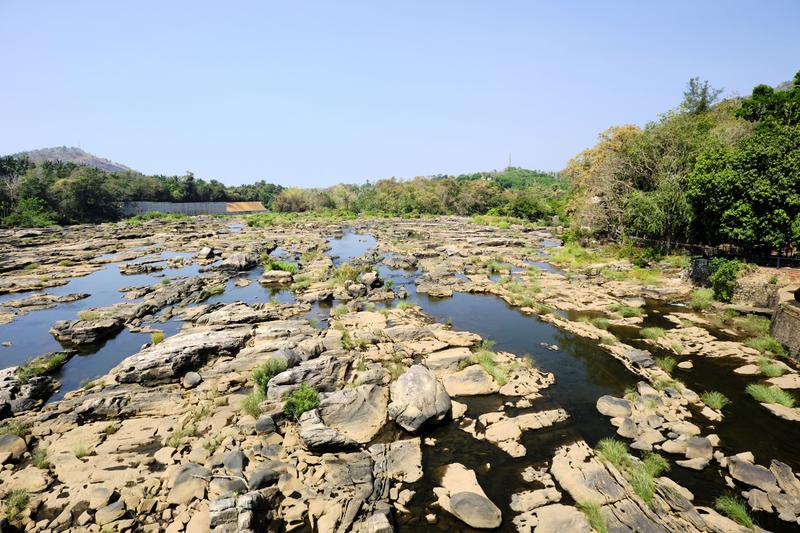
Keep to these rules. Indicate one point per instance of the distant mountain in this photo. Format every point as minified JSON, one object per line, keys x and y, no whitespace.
{"x":73,"y":155}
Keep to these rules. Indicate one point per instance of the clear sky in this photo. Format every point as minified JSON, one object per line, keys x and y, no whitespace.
{"x":316,"y":93}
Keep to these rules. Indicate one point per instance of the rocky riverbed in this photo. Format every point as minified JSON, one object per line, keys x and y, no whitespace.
{"x":344,"y":376}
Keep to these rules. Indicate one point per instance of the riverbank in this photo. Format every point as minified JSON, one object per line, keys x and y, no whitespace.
{"x":422,"y":423}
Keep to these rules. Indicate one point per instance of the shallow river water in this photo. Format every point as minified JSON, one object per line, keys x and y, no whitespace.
{"x":583,"y":372}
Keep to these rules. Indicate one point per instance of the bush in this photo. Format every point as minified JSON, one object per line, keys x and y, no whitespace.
{"x":735,"y":509}
{"x":39,"y":458}
{"x":30,"y":213}
{"x":266,"y":371}
{"x":157,"y":337}
{"x":765,"y":394}
{"x":715,"y":400}
{"x":302,"y":399}
{"x":723,"y":277}
{"x":15,"y":503}
{"x":702,"y":299}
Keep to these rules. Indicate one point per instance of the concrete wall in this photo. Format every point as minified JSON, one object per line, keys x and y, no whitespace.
{"x":187,"y":208}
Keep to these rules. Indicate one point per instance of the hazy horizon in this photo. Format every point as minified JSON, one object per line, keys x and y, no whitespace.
{"x":313,"y":94}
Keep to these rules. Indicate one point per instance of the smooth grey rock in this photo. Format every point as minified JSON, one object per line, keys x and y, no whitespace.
{"x":191,"y":380}
{"x":699,"y":447}
{"x":12,"y":445}
{"x":85,"y":331}
{"x":234,"y":461}
{"x":323,"y":374}
{"x":611,"y":406}
{"x":178,"y":354}
{"x":627,"y":429}
{"x":475,"y":510}
{"x":267,"y":473}
{"x":265,"y":424}
{"x":110,"y":512}
{"x":417,"y":397}
{"x":750,"y":474}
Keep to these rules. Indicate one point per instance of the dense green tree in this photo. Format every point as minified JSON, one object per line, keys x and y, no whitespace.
{"x":767,"y":104}
{"x":699,"y":96}
{"x":750,"y":194}
{"x":85,"y":196}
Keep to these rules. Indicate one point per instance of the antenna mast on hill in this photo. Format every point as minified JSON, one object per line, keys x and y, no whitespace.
{"x":509,"y":159}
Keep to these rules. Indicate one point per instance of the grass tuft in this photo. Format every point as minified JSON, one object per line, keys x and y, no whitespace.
{"x":157,"y":337}
{"x":702,"y":299}
{"x":652,"y":333}
{"x":735,"y":509}
{"x":15,"y":503}
{"x":767,"y":368}
{"x":266,"y":371}
{"x":765,"y":344}
{"x":765,"y":394}
{"x":626,"y":311}
{"x":592,"y":512}
{"x":715,"y":400}
{"x":613,"y":451}
{"x":667,"y":364}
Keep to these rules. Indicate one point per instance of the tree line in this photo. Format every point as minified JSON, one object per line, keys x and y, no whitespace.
{"x":708,"y":172}
{"x":41,"y":194}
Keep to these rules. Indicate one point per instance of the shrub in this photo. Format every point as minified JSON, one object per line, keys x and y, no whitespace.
{"x":651,"y":333}
{"x":715,"y":400}
{"x":723,"y":277}
{"x":15,"y":503}
{"x":404,"y":305}
{"x":157,"y":337}
{"x":667,"y":364}
{"x":593,"y":515}
{"x":735,"y":509}
{"x":300,"y":284}
{"x":345,"y":272}
{"x":30,"y":213}
{"x":702,"y":299}
{"x":16,"y":428}
{"x":266,"y":371}
{"x":614,"y":452}
{"x":600,"y":322}
{"x":765,"y":394}
{"x":768,"y":368}
{"x":655,"y":464}
{"x":302,"y":399}
{"x":339,"y":310}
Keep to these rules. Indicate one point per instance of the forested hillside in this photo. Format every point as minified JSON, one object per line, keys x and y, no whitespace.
{"x":707,"y":172}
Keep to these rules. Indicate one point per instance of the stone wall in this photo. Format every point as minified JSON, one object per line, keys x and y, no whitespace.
{"x":786,"y":326}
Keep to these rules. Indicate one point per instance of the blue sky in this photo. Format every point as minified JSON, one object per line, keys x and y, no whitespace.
{"x":316,"y":93}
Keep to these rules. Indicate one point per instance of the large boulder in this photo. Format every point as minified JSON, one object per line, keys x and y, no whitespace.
{"x":418,"y":397}
{"x":611,"y":406}
{"x":462,"y":496}
{"x":275,"y":277}
{"x":751,"y":474}
{"x":85,"y":331}
{"x":181,"y":353}
{"x":471,"y":381}
{"x":359,"y":413}
{"x":323,"y":374}
{"x":239,"y":261}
